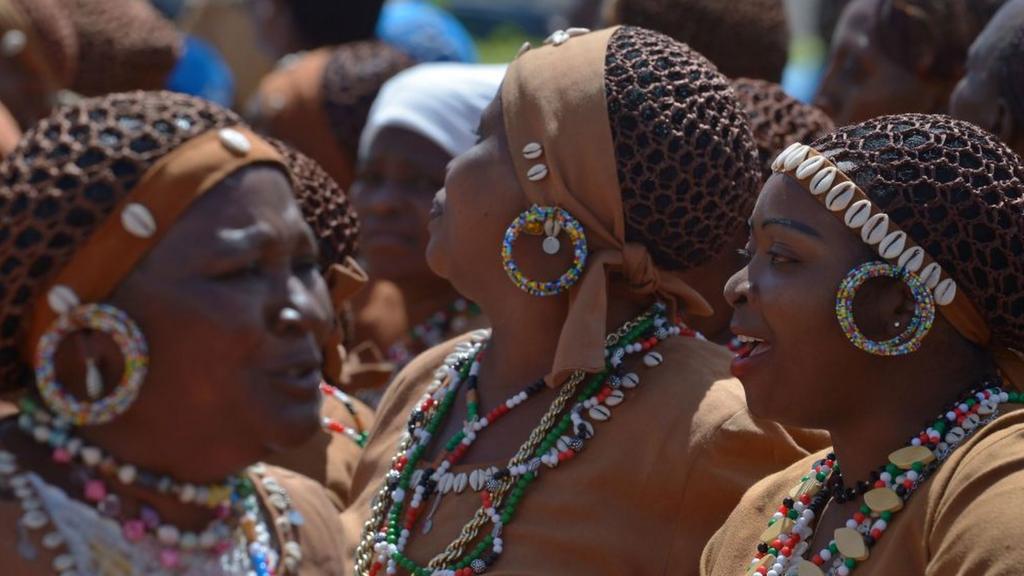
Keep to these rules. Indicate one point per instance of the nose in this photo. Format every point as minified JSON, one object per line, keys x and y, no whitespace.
{"x":737,"y":289}
{"x":302,"y":311}
{"x":377,"y":199}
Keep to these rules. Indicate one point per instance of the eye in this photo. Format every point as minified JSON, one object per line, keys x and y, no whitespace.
{"x":242,"y":272}
{"x":777,"y":259}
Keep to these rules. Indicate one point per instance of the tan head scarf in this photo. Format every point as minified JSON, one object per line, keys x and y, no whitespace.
{"x":554,"y":96}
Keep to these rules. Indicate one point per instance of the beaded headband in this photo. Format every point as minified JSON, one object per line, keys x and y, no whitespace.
{"x":840,"y":195}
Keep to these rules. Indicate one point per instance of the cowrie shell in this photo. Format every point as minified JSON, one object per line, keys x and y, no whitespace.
{"x":630,"y":381}
{"x":795,"y":157}
{"x":875,"y":229}
{"x":460,"y":483}
{"x":780,"y":160}
{"x":615,"y":398}
{"x":446,"y":483}
{"x":892,"y":245}
{"x":839,"y":197}
{"x":585,"y":430}
{"x":537,"y":172}
{"x":930,"y":275}
{"x":912,"y":259}
{"x":62,"y":299}
{"x":809,"y":166}
{"x":476,"y":480}
{"x":600,"y":413}
{"x":532,"y":151}
{"x":945,"y":292}
{"x":234,"y":141}
{"x":858,"y":214}
{"x":138,"y":220}
{"x":653,"y":359}
{"x":563,"y":443}
{"x":12,"y":43}
{"x":823,"y":180}
{"x":523,"y":49}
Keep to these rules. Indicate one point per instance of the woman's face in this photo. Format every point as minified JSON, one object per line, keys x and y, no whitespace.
{"x":786,"y":295}
{"x":861,"y":81}
{"x":393,"y":194}
{"x":480,"y":198}
{"x":235,"y":313}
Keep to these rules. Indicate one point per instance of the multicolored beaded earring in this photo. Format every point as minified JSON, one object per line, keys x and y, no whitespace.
{"x":549,"y":221}
{"x":918,"y":327}
{"x":129,"y":339}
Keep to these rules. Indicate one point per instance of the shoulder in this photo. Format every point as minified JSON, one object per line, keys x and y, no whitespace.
{"x":316,"y":526}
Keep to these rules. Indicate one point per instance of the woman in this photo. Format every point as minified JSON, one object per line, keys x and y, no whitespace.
{"x":318,"y":101}
{"x":38,"y":57}
{"x":290,"y":26}
{"x":895,"y":56}
{"x":907,"y":230}
{"x":159,"y":276}
{"x":566,"y":131}
{"x":422,"y":119}
{"x":778,"y":119}
{"x":991,"y":93}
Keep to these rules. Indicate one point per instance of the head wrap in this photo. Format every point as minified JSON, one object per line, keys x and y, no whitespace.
{"x":955,"y":192}
{"x":123,"y":45}
{"x":778,"y":119}
{"x":748,"y":38}
{"x":319,"y":101}
{"x":909,"y":29}
{"x":50,"y":43}
{"x":644,"y":143}
{"x":89,"y":190}
{"x":441,"y":102}
{"x":425,"y":32}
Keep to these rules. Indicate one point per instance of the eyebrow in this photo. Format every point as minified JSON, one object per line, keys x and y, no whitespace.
{"x":793,"y":225}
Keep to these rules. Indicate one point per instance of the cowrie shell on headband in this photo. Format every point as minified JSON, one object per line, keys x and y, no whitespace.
{"x":523,"y":49}
{"x":537,"y":172}
{"x":234,"y":141}
{"x":912,"y":259}
{"x":62,"y":299}
{"x":809,"y":166}
{"x":138,"y":220}
{"x":892,"y":245}
{"x":930,"y":275}
{"x":533,"y":150}
{"x":780,"y":160}
{"x":858,"y":214}
{"x":822,"y":181}
{"x":796,"y":157}
{"x":875,"y":229}
{"x":12,"y":43}
{"x":839,"y":197}
{"x":945,"y":292}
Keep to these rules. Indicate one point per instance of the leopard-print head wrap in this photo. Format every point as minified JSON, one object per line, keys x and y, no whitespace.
{"x":123,"y":45}
{"x":956,"y":191}
{"x":755,"y":45}
{"x":686,"y":159}
{"x":65,"y":178}
{"x":778,"y":119}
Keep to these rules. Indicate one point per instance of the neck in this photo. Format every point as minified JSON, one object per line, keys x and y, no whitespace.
{"x":424,"y":297}
{"x":911,"y":399}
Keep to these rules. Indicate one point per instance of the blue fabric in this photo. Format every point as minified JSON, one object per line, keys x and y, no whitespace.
{"x":201,"y":71}
{"x":425,"y":32}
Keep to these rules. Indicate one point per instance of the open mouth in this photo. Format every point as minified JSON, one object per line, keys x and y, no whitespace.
{"x":749,"y":346}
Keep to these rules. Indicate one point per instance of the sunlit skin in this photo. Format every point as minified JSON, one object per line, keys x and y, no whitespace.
{"x":393,"y":195}
{"x":806,"y":373}
{"x":235,"y":312}
{"x":862,"y":82}
{"x":978,"y":97}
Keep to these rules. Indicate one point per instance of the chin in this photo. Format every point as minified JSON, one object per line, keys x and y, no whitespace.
{"x":437,"y":259}
{"x":292,"y":426}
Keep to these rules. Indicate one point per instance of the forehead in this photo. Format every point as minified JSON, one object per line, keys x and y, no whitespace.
{"x":396,"y":143}
{"x":253,"y":194}
{"x":784,"y":198}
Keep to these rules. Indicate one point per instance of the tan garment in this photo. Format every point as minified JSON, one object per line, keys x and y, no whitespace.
{"x":10,"y":133}
{"x":330,"y":459}
{"x":965,"y":521}
{"x":642,"y":497}
{"x":321,"y":554}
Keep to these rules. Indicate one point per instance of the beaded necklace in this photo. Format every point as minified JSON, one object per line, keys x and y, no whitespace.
{"x":355,"y":433}
{"x":561,"y":434}
{"x":233,"y":500}
{"x":434,"y":330}
{"x":784,"y":543}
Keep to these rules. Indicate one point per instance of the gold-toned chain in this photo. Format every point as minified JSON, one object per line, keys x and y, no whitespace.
{"x":471,"y":530}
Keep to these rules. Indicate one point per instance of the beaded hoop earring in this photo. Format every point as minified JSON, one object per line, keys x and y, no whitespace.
{"x":129,"y":339}
{"x":918,"y":327}
{"x":550,"y":221}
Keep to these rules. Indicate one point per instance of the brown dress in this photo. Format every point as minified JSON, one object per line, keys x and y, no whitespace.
{"x":642,"y":498}
{"x":966,"y":520}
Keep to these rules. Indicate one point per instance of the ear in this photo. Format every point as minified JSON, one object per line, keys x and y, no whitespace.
{"x":900,"y":306}
{"x":1004,"y":125}
{"x":918,"y":33}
